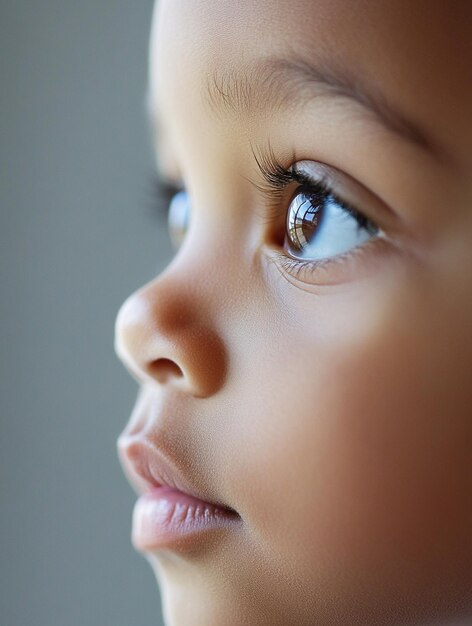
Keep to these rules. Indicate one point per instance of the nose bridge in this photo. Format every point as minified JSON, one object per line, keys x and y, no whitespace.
{"x":165,"y":334}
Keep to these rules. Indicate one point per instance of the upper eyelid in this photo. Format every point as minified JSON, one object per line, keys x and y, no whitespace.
{"x":277,"y":178}
{"x":348,"y":191}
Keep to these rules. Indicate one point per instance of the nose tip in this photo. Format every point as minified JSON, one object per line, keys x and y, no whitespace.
{"x":128,"y":336}
{"x":160,"y":337}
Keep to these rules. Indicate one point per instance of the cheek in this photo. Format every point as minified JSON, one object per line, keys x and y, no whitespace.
{"x":356,"y":451}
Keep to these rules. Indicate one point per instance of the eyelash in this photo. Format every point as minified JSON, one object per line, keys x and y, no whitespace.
{"x":278,"y":178}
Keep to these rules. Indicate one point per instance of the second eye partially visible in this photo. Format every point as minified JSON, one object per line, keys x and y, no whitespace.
{"x":179,"y":217}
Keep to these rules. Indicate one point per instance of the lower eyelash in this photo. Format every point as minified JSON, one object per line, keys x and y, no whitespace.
{"x":331,"y":270}
{"x":307,"y":269}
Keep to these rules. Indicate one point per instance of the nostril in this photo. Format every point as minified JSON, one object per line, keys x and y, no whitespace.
{"x":165,"y":369}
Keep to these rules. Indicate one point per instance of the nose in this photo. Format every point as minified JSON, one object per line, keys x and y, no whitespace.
{"x":163,"y":336}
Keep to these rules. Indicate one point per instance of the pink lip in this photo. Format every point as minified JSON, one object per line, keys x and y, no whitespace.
{"x":167,"y":518}
{"x":170,"y":512}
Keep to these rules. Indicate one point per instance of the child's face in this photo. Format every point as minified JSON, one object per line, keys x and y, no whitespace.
{"x":327,"y":400}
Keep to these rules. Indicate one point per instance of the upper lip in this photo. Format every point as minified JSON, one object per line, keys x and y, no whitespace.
{"x":147,"y":468}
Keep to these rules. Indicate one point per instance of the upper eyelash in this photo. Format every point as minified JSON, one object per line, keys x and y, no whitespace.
{"x":277,"y":178}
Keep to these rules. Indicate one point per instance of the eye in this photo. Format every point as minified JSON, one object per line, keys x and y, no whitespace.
{"x":179,"y":217}
{"x":320,"y":226}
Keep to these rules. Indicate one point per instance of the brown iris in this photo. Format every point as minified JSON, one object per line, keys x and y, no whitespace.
{"x":303,"y":219}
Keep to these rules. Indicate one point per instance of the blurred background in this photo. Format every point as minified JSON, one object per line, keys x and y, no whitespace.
{"x":77,"y":235}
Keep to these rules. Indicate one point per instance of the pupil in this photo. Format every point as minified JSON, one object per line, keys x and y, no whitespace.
{"x":303,"y":220}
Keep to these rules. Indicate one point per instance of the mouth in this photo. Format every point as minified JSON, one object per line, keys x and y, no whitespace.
{"x":170,"y":512}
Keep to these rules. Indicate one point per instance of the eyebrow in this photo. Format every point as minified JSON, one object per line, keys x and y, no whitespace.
{"x":274,"y":84}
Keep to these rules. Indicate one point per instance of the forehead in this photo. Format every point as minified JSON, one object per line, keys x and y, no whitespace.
{"x":410,"y":50}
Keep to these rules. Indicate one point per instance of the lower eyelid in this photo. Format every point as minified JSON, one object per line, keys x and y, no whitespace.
{"x":349,"y":266}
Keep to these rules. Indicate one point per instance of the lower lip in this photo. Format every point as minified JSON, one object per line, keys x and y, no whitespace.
{"x":167,"y":518}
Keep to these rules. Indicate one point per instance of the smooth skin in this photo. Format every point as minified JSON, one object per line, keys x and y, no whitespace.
{"x":329,"y":405}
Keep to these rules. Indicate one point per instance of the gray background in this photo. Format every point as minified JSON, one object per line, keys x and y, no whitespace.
{"x":76,"y":237}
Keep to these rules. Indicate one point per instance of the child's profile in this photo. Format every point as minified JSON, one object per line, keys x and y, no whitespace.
{"x":302,"y":438}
